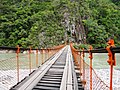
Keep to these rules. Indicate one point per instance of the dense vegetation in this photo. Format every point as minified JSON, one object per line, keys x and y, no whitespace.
{"x":44,"y":23}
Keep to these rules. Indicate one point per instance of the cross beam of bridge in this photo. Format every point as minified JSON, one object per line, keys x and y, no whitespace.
{"x":58,"y":73}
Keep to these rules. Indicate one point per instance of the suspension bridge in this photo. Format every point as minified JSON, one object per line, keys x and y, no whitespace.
{"x":58,"y":68}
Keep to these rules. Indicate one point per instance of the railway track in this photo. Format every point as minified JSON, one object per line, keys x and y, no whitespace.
{"x":58,"y":73}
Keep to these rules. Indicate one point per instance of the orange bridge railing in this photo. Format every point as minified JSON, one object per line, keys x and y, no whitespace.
{"x":18,"y":63}
{"x":89,"y":78}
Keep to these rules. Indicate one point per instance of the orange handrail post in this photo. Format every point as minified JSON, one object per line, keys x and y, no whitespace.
{"x":111,"y":60}
{"x":80,"y":66}
{"x":51,"y":52}
{"x":30,"y":63}
{"x":83,"y":55}
{"x":42,"y":56}
{"x":17,"y":57}
{"x":37,"y":58}
{"x":83,"y":66}
{"x":48,"y":53}
{"x":91,"y":57}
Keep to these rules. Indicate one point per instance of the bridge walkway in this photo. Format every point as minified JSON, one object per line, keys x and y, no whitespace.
{"x":57,"y":73}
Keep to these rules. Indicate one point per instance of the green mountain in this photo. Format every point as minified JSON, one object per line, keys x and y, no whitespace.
{"x":45,"y":23}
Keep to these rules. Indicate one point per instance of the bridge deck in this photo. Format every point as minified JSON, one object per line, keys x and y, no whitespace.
{"x":58,"y":73}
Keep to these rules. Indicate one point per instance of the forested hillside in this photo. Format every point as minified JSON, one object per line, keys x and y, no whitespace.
{"x":45,"y":23}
